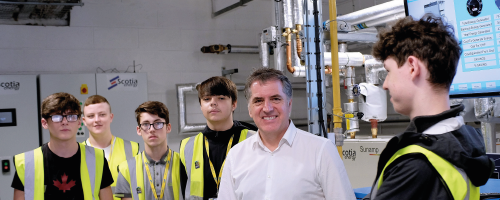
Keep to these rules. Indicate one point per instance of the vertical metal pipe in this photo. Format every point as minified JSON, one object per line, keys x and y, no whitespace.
{"x":489,"y":136}
{"x":288,"y":13}
{"x":279,"y":53}
{"x":337,"y":109}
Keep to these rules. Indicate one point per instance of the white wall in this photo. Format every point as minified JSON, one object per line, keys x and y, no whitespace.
{"x":164,"y":36}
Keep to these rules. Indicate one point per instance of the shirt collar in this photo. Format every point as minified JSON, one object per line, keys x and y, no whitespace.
{"x":446,"y":126}
{"x":288,"y":138}
{"x":162,"y":161}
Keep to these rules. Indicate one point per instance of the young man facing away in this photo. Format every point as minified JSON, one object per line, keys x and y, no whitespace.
{"x":62,"y":168}
{"x":97,"y":116}
{"x":200,"y":173}
{"x":437,"y":157}
{"x":153,"y":174}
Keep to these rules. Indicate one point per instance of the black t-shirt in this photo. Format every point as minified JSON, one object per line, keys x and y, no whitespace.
{"x":62,"y":176}
{"x":217,"y":141}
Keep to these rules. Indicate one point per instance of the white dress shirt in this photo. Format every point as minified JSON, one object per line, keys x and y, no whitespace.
{"x":303,"y":167}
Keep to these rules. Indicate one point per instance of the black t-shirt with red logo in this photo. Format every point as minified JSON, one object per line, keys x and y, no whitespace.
{"x":62,"y":176}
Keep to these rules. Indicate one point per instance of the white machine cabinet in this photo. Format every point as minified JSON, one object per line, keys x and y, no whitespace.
{"x":125,"y":92}
{"x":19,"y":127}
{"x":74,"y":84}
{"x":360,"y":158}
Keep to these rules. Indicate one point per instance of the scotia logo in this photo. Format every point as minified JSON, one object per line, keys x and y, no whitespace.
{"x":113,"y":82}
{"x":13,"y":85}
{"x":126,"y":82}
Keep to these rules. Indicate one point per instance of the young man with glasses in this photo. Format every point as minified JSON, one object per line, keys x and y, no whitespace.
{"x":203,"y":155}
{"x":97,"y":116}
{"x":153,"y":174}
{"x":62,"y":168}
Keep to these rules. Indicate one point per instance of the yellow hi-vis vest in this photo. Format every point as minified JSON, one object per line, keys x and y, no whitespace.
{"x":29,"y":167}
{"x":122,"y":150}
{"x":454,"y":178}
{"x":192,"y":158}
{"x":133,"y":171}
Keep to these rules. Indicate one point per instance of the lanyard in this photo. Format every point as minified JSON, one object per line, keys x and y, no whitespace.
{"x":111,"y":150}
{"x":164,"y":175}
{"x":217,"y":181}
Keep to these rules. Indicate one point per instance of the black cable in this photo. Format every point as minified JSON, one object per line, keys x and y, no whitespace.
{"x":319,"y":81}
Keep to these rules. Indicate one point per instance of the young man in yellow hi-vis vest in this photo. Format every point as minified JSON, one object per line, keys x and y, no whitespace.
{"x":97,"y":117}
{"x":62,"y":168}
{"x":438,"y":156}
{"x":203,"y":155}
{"x":154,"y":173}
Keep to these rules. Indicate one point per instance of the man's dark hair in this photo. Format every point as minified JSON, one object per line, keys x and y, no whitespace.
{"x":217,"y":85}
{"x":60,"y":103}
{"x":268,"y":74}
{"x":154,"y":108}
{"x":429,"y":39}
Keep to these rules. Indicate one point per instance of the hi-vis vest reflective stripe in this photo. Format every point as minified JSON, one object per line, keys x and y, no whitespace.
{"x":122,"y":150}
{"x":192,"y":158}
{"x":132,"y":171}
{"x":29,"y":167}
{"x":455,"y":178}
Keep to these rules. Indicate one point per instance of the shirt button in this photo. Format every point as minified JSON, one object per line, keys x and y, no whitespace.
{"x":156,"y":163}
{"x":157,"y":184}
{"x":268,"y":176}
{"x":157,"y":173}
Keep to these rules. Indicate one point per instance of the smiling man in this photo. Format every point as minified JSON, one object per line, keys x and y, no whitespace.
{"x":62,"y":168}
{"x":438,"y":156}
{"x":203,"y":155}
{"x":281,"y":161}
{"x":97,"y":117}
{"x":153,"y":174}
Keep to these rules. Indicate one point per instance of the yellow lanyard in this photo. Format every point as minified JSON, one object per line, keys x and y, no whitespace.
{"x":164,"y":175}
{"x":111,"y":150}
{"x":217,"y":181}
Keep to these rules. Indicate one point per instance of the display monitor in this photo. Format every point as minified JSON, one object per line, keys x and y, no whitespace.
{"x":476,"y":25}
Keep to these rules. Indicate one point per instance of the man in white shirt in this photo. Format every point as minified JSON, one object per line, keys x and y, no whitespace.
{"x":281,"y":162}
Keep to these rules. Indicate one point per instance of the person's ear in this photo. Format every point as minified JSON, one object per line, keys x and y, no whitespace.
{"x":415,"y":67}
{"x":138,"y":129}
{"x":45,"y":123}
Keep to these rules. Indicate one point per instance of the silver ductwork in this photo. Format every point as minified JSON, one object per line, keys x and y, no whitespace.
{"x":181,"y":104}
{"x":378,"y":22}
{"x":298,"y":15}
{"x":288,"y":13}
{"x":378,"y":10}
{"x":264,"y":52}
{"x":484,"y":109}
{"x":183,"y":89}
{"x":373,"y":68}
{"x":348,"y":58}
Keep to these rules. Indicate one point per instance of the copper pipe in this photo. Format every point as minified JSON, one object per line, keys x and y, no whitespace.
{"x":374,"y":124}
{"x":328,"y":69}
{"x":288,"y":35}
{"x":297,"y":37}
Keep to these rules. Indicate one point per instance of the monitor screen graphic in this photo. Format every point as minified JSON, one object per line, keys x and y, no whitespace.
{"x":476,"y":25}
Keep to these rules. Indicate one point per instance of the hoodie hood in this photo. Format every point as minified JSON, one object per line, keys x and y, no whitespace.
{"x":463,"y":147}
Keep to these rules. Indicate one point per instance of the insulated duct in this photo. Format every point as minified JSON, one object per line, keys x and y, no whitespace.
{"x":183,"y":89}
{"x":239,"y":49}
{"x":372,"y":69}
{"x":181,"y":104}
{"x":348,"y":58}
{"x":361,"y":15}
{"x":264,"y":52}
{"x":378,"y":22}
{"x":288,"y":13}
{"x":298,"y":14}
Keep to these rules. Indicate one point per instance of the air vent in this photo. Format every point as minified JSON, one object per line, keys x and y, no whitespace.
{"x":37,"y":12}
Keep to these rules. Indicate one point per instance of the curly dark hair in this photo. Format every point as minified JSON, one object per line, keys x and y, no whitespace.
{"x":429,"y":39}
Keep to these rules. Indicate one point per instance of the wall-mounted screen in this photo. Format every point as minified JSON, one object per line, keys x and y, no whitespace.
{"x":477,"y":28}
{"x":8,"y":117}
